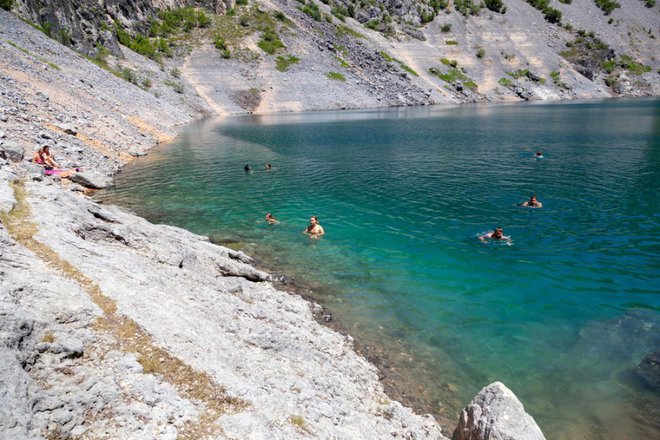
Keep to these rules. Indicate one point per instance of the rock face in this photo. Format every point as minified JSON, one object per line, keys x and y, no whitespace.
{"x":92,"y":180}
{"x":496,"y":414}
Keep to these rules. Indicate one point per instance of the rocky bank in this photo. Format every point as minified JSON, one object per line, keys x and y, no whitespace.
{"x":112,"y":327}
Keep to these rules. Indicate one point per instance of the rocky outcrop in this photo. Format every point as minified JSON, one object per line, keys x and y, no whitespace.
{"x":92,"y":180}
{"x":496,"y":414}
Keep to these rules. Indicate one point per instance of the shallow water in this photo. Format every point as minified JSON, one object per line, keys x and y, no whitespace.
{"x":561,"y":316}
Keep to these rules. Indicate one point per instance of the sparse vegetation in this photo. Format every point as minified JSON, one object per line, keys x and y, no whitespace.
{"x":43,"y":60}
{"x":176,"y":86}
{"x":298,"y":421}
{"x":506,"y":82}
{"x":176,"y":73}
{"x":448,"y":62}
{"x":451,"y":42}
{"x":632,"y":66}
{"x":607,"y":6}
{"x":517,"y":74}
{"x":345,"y":30}
{"x":496,"y":6}
{"x":556,"y":79}
{"x":284,"y":62}
{"x":454,"y":75}
{"x":312,"y":9}
{"x":467,"y":7}
{"x":270,"y":42}
{"x":481,"y":52}
{"x":445,"y":28}
{"x":550,"y":14}
{"x":336,"y":76}
{"x":405,"y":67}
{"x":6,"y":4}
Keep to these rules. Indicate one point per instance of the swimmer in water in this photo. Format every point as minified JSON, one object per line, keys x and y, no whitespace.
{"x":269,"y":167}
{"x":270,"y":219}
{"x":532,"y":202}
{"x":497,"y":234}
{"x":538,"y":155}
{"x":247,"y":168}
{"x":314,"y":230}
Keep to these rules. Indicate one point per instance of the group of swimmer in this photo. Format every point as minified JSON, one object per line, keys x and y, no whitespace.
{"x":248,"y":169}
{"x":533,"y":202}
{"x":314,"y":230}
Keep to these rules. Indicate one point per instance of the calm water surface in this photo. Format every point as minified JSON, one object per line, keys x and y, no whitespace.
{"x":562,"y":316}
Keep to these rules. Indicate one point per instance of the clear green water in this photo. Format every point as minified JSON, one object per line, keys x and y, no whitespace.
{"x":561,"y":316}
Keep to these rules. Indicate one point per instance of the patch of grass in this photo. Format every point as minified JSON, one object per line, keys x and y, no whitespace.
{"x":312,"y":10}
{"x":506,"y":82}
{"x":336,"y":76}
{"x":517,"y":74}
{"x":342,"y":30}
{"x":40,"y":59}
{"x":453,"y":75}
{"x":632,"y":66}
{"x":270,"y":42}
{"x":448,"y":62}
{"x":176,"y":73}
{"x":284,"y":62}
{"x":386,"y":56}
{"x":408,"y":69}
{"x":451,"y":42}
{"x":607,"y":6}
{"x":372,"y":24}
{"x":297,"y":421}
{"x":556,"y":79}
{"x":176,"y":86}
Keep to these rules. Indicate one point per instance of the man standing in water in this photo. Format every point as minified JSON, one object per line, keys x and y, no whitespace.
{"x":314,"y":230}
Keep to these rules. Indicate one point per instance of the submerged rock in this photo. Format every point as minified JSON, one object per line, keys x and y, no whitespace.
{"x":496,"y":414}
{"x":648,"y":371}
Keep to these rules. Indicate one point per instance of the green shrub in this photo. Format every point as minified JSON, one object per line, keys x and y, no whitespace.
{"x":241,"y":2}
{"x":146,"y":83}
{"x":481,"y":52}
{"x":177,"y":86}
{"x":346,"y":30}
{"x":448,"y":62}
{"x":647,"y":3}
{"x":632,"y":66}
{"x":451,"y":42}
{"x":467,"y":7}
{"x":517,"y":74}
{"x":446,"y":27}
{"x":336,"y":76}
{"x":372,"y":24}
{"x":496,"y":6}
{"x":311,"y":9}
{"x":566,"y":2}
{"x":506,"y":82}
{"x":425,"y":16}
{"x":270,"y":42}
{"x":128,"y":75}
{"x":6,"y":4}
{"x":284,"y":62}
{"x":437,"y":5}
{"x":176,"y":73}
{"x":607,"y":6}
{"x":453,"y":75}
{"x":609,"y":65}
{"x":64,"y":36}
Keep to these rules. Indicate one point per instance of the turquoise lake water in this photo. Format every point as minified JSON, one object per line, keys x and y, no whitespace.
{"x":562,"y":316}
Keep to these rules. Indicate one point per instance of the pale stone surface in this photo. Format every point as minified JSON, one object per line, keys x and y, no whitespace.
{"x":92,"y":179}
{"x":496,"y":414}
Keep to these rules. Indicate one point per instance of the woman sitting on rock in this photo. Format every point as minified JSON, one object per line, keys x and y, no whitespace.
{"x":44,"y":157}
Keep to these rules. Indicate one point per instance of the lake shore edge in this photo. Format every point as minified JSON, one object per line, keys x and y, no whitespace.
{"x":119,"y":327}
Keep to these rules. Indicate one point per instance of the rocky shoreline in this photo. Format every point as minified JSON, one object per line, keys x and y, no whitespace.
{"x":113,"y":327}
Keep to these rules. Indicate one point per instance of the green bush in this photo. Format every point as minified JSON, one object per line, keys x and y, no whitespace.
{"x":176,"y":86}
{"x":496,"y":6}
{"x":506,"y":82}
{"x":64,"y":36}
{"x":336,"y":76}
{"x":609,"y":66}
{"x":176,"y":73}
{"x":6,"y":4}
{"x":517,"y":74}
{"x":467,"y":7}
{"x":372,"y":24}
{"x":270,"y":42}
{"x":446,"y":28}
{"x":448,"y":62}
{"x":284,"y":62}
{"x":311,"y":9}
{"x":451,"y":42}
{"x":241,"y":2}
{"x":607,"y":6}
{"x":632,"y":66}
{"x":481,"y":52}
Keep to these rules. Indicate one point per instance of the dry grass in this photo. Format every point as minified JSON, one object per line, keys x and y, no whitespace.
{"x":48,"y":337}
{"x":128,"y":335}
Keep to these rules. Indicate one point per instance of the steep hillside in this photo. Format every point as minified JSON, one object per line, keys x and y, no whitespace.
{"x":280,"y":55}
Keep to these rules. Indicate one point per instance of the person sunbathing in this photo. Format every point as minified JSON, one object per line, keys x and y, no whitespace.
{"x":44,"y":157}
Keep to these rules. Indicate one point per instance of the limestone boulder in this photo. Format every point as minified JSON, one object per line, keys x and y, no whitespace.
{"x":92,"y":180}
{"x":11,"y":151}
{"x":496,"y":414}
